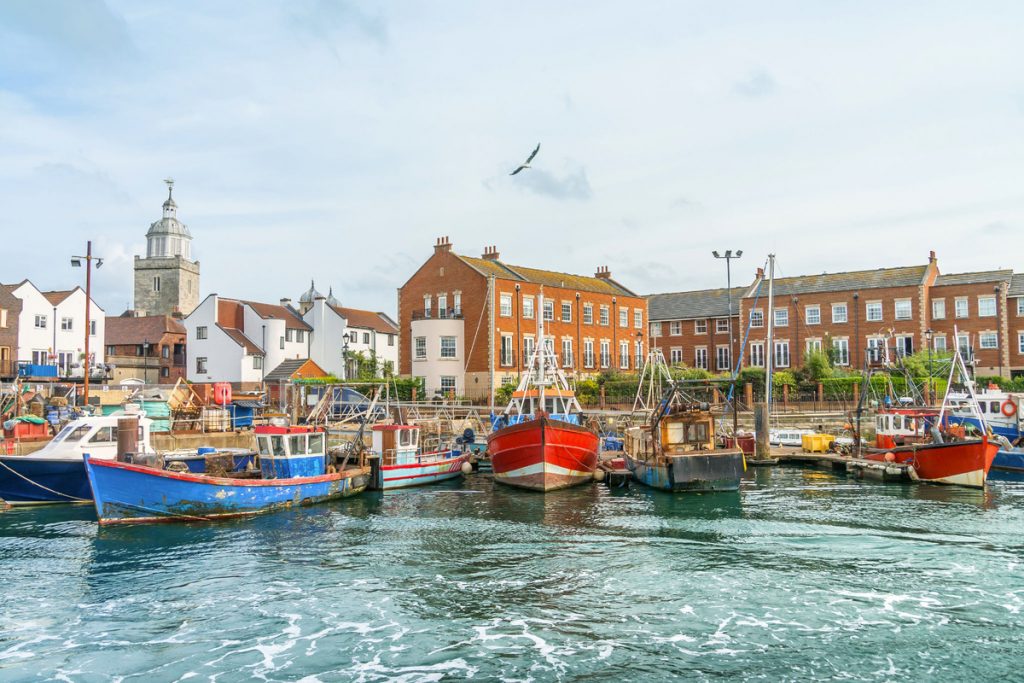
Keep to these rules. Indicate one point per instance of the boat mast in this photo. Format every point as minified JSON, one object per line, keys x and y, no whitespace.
{"x":769,"y":352}
{"x":542,"y":349}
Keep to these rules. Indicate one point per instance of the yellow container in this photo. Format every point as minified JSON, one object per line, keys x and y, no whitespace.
{"x":816,"y":443}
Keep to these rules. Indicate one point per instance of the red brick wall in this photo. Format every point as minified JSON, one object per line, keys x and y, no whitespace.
{"x":688,"y":340}
{"x":1015,"y":331}
{"x":988,"y":360}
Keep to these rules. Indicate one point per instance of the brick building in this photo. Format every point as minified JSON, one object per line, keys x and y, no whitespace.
{"x":860,"y":315}
{"x":10,"y":311}
{"x":149,"y":348}
{"x":469,"y":324}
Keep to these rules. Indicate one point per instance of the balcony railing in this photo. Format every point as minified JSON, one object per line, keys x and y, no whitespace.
{"x":432,"y":315}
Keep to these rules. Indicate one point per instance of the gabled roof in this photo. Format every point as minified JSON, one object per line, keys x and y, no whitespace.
{"x":55,"y":298}
{"x":251,"y":348}
{"x":287,"y":369}
{"x":278,"y":312}
{"x":978,"y":278}
{"x":1016,"y":286}
{"x":544,"y":277}
{"x":370,"y":320}
{"x":127,"y":330}
{"x":908,"y":276}
{"x":706,"y":303}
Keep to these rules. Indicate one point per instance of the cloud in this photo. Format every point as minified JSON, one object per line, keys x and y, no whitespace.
{"x":685,"y":203}
{"x":572,"y":185}
{"x":89,"y":29}
{"x":757,"y":84}
{"x":997,"y":228}
{"x":327,"y":19}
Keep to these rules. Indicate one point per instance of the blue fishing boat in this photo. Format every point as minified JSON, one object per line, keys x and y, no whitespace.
{"x":294,"y":470}
{"x":405,"y":462}
{"x":56,"y":473}
{"x":676,"y":450}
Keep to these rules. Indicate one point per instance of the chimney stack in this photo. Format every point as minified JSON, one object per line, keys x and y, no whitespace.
{"x":490,"y":253}
{"x":286,"y":302}
{"x":931,"y":256}
{"x":603,"y":273}
{"x":760,"y":273}
{"x":442,"y":244}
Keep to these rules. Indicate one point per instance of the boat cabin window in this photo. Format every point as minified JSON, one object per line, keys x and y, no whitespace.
{"x":297,"y":444}
{"x":695,"y":433}
{"x":104,"y":435}
{"x":407,"y":437}
{"x":316,"y":444}
{"x":277,"y":445}
{"x":993,"y":407}
{"x":72,"y":434}
{"x":897,"y":422}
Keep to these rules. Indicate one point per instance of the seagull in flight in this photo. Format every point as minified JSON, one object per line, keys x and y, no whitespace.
{"x":526,"y":164}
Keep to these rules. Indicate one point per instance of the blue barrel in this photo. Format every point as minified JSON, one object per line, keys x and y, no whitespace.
{"x":203,"y":450}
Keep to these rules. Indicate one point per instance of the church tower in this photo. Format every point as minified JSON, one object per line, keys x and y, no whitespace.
{"x":166,"y":279}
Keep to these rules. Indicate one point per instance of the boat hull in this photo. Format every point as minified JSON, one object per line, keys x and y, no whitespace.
{"x":421,"y":473}
{"x":960,"y":463}
{"x":126,"y":494}
{"x":25,"y":480}
{"x":1005,"y":460}
{"x":700,"y":473}
{"x":543,"y":454}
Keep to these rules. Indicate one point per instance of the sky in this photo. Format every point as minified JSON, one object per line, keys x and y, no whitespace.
{"x":336,"y":140}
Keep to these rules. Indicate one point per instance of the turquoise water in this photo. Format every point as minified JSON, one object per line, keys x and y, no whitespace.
{"x":801,"y":575}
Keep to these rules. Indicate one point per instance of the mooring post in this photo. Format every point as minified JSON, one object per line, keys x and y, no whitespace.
{"x":762,"y":449}
{"x":748,"y":394}
{"x":127,"y":438}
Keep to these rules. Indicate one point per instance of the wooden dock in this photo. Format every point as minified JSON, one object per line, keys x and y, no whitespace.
{"x":860,"y":468}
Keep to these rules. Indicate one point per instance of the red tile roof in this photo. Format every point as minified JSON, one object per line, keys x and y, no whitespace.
{"x":291,"y":320}
{"x":367,"y":320}
{"x":249,"y":345}
{"x":56,"y":297}
{"x":121,"y":330}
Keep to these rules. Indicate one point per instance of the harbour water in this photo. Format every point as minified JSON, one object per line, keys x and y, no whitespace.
{"x":801,"y":575}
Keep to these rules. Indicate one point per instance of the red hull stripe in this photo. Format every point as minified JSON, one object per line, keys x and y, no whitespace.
{"x":388,"y":468}
{"x":222,"y":481}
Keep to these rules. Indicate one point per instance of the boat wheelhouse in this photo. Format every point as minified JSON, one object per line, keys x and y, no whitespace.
{"x":408,"y":458}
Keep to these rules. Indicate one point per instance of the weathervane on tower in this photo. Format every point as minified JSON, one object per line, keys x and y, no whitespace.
{"x":170,"y":186}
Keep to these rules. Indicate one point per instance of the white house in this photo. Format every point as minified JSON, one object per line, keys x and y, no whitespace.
{"x":51,"y":328}
{"x":336,"y":328}
{"x":232,"y":340}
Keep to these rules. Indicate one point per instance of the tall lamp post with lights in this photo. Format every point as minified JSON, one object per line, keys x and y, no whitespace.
{"x":729,"y":256}
{"x":344,"y":354}
{"x":76,"y":262}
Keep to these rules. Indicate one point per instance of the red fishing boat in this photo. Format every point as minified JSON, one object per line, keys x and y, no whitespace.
{"x":540,"y":442}
{"x":964,"y":463}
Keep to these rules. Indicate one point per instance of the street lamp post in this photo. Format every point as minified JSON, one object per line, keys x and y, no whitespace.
{"x":999,"y":340}
{"x":729,"y":256}
{"x":344,"y":355}
{"x":76,"y":261}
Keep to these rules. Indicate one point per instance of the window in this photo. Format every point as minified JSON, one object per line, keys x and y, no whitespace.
{"x":904,"y":310}
{"x":757,"y":354}
{"x":447,"y":347}
{"x":201,"y":332}
{"x":442,"y":305}
{"x":812,"y":314}
{"x":366,"y":337}
{"x":988,"y":340}
{"x":700,"y":326}
{"x":426,"y":305}
{"x":111,"y":351}
{"x":638,"y":354}
{"x":606,"y":353}
{"x":257,"y":362}
{"x":92,"y":328}
{"x":781,"y":317}
{"x":604,"y":315}
{"x":938,"y":309}
{"x":567,"y":359}
{"x":757,"y":318}
{"x":1020,"y":342}
{"x":877,"y":350}
{"x":528,"y":308}
{"x":1020,"y":307}
{"x":447,"y":384}
{"x":289,"y":335}
{"x":505,"y":306}
{"x":506,"y":350}
{"x":588,"y":353}
{"x":624,"y":355}
{"x":782,"y":354}
{"x":566,"y":312}
{"x":722,"y":357}
{"x":165,"y":372}
{"x":675,"y":355}
{"x":638,"y":318}
{"x":282,"y":343}
{"x":905,"y":345}
{"x":420,"y":348}
{"x":963,"y":342}
{"x":300,"y":336}
{"x":838,"y":313}
{"x":528,"y":345}
{"x":960,"y":307}
{"x":624,"y":318}
{"x":66,"y":324}
{"x":841,"y":351}
{"x":156,"y":283}
{"x":700,"y":357}
{"x":813,"y":345}
{"x":588,"y":314}
{"x":655,"y":329}
{"x":200,"y":366}
{"x":165,"y":351}
{"x":939,"y":343}
{"x":722,"y":325}
{"x":675,"y":328}
{"x":39,"y":357}
{"x":549,"y":310}
{"x":3,"y":316}
{"x":40,"y":322}
{"x":986,"y":306}
{"x":457,"y":303}
{"x":873,"y":311}
{"x":104,"y":435}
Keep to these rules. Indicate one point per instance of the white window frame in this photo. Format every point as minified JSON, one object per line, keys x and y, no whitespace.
{"x":700,"y":357}
{"x":782,"y":346}
{"x":812,"y":345}
{"x":700,"y":326}
{"x":675,"y":354}
{"x":757,"y":354}
{"x":624,"y":317}
{"x":675,"y":328}
{"x":442,"y":305}
{"x":604,"y":315}
{"x":638,"y":319}
{"x":782,"y":317}
{"x":987,"y":300}
{"x":202,"y":332}
{"x":841,"y":351}
{"x":875,"y":306}
{"x":448,"y":353}
{"x":451,"y":381}
{"x":757,"y":317}
{"x":938,"y":309}
{"x":1020,"y":306}
{"x":606,"y":353}
{"x":505,"y":354}
{"x":935,"y":343}
{"x":908,"y":309}
{"x":588,"y":353}
{"x":567,"y":359}
{"x":419,"y":348}
{"x":588,"y":314}
{"x":40,"y":322}
{"x":505,"y":305}
{"x":988,"y":340}
{"x":655,"y":329}
{"x":722,"y":354}
{"x":457,"y":302}
{"x":844,"y":318}
{"x":67,"y":324}
{"x":528,"y":307}
{"x":624,"y":355}
{"x":721,"y":325}
{"x":566,"y":312}
{"x":427,"y":303}
{"x":961,"y":302}
{"x":812,"y":314}
{"x":549,"y":311}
